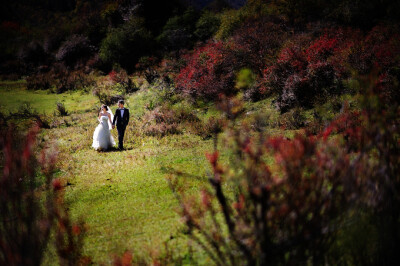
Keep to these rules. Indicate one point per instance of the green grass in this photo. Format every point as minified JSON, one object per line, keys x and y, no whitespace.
{"x":13,"y":95}
{"x":123,"y":197}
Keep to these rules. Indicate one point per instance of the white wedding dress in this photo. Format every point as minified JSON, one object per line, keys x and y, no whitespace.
{"x":102,"y":138}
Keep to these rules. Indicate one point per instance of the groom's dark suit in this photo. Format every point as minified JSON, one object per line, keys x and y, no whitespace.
{"x":122,"y":122}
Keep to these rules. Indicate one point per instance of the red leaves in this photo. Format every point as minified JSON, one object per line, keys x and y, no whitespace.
{"x":322,"y":48}
{"x":206,"y":198}
{"x":125,"y":260}
{"x":198,"y":78}
{"x":35,"y":207}
{"x":212,"y":158}
{"x":57,"y":184}
{"x":113,"y":75}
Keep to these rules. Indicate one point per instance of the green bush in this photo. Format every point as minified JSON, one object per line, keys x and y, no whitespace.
{"x":126,"y":44}
{"x":178,"y":31}
{"x":230,"y":20}
{"x":207,"y":25}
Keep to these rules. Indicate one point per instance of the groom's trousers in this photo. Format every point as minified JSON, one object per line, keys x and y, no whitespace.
{"x":121,"y":133}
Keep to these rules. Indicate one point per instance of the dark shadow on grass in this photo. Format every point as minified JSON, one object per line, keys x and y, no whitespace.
{"x":115,"y":149}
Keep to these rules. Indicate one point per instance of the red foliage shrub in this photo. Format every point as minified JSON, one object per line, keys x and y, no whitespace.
{"x":378,"y":49}
{"x":255,"y":42}
{"x":378,"y":52}
{"x":39,"y":82}
{"x":302,"y":76}
{"x":31,"y":205}
{"x":199,"y":78}
{"x":212,"y":69}
{"x":291,"y":212}
{"x":164,"y":121}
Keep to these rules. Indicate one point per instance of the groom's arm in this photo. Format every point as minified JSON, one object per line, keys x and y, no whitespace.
{"x":127,"y":116}
{"x":115,"y":117}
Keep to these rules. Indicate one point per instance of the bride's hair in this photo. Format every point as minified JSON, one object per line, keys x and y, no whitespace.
{"x":105,"y":107}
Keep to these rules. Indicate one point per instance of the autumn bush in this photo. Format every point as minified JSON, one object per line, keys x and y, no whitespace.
{"x":199,"y":78}
{"x":108,"y":91}
{"x":256,"y":41}
{"x":61,"y":110}
{"x":165,"y":120}
{"x":208,"y":129}
{"x":308,"y":70}
{"x":42,"y":81}
{"x":27,"y":116}
{"x":160,"y":122}
{"x":121,"y":77}
{"x":32,"y":210}
{"x":282,"y":201}
{"x":71,"y":80}
{"x":378,"y":51}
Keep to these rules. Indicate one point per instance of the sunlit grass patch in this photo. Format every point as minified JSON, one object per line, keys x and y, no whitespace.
{"x":11,"y":98}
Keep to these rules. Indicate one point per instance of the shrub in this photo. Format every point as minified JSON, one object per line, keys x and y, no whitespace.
{"x":146,"y":66}
{"x":26,"y":116}
{"x":32,"y":207}
{"x":75,"y":50}
{"x":39,"y":82}
{"x":376,"y":50}
{"x":301,"y":77}
{"x":121,"y":77}
{"x":73,"y":80}
{"x":61,"y":110}
{"x":207,"y":25}
{"x":210,"y":129}
{"x":178,"y":31}
{"x":163,"y":120}
{"x":126,"y":44}
{"x":294,"y":119}
{"x":233,"y":19}
{"x":230,"y":20}
{"x":295,"y":210}
{"x":160,"y":122}
{"x":255,"y":42}
{"x":200,"y":77}
{"x":107,"y":91}
{"x":212,"y":69}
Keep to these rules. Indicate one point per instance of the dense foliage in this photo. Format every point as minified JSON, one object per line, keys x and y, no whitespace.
{"x":299,"y":209}
{"x":32,"y":211}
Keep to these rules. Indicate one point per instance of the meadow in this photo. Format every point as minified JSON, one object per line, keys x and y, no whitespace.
{"x":122,"y":196}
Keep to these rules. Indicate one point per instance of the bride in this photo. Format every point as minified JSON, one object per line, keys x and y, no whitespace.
{"x":102,"y":138}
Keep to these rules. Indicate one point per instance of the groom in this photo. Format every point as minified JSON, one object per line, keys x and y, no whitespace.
{"x":122,"y":118}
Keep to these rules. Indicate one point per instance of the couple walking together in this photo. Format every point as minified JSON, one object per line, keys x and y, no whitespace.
{"x":102,"y":138}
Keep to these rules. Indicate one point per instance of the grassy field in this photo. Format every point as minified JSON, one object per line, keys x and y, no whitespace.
{"x":123,"y":197}
{"x":12,"y":97}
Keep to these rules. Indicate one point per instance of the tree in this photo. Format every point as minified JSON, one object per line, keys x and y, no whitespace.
{"x":126,"y":44}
